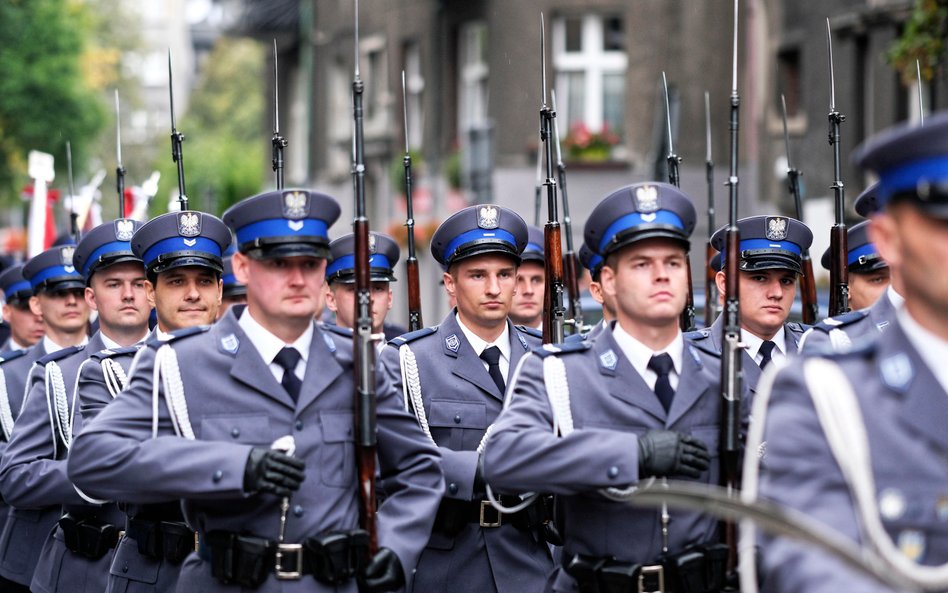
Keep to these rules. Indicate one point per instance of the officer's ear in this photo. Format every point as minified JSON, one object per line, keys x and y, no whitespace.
{"x":150,"y":293}
{"x":35,"y":306}
{"x":720,"y":279}
{"x":240,"y":264}
{"x":595,"y":291}
{"x":884,"y":233}
{"x":607,"y":279}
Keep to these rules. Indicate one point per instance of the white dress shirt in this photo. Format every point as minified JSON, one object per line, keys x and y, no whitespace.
{"x":479,"y":345}
{"x":753,"y":344}
{"x":268,"y":345}
{"x":932,"y":348}
{"x":639,"y":354}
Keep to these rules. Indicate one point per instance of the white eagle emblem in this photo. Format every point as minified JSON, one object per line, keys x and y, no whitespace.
{"x":371,"y":243}
{"x":124,"y":229}
{"x":295,"y":204}
{"x":66,"y":253}
{"x":646,"y":199}
{"x":487,"y":217}
{"x":776,"y":229}
{"x":189,"y":224}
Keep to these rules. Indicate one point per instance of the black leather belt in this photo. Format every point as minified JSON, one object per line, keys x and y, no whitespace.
{"x":454,"y":514}
{"x":88,"y":536}
{"x":171,"y":540}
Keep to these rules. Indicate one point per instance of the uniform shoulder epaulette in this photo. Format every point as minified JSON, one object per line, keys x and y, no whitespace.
{"x":60,"y":354}
{"x":337,"y":329}
{"x":705,"y":346}
{"x":12,"y":355}
{"x":861,"y":348}
{"x":411,"y":336}
{"x":178,"y":334}
{"x":698,"y":334}
{"x":839,"y":321}
{"x":797,"y":327}
{"x":113,"y":352}
{"x":563,"y":348}
{"x":532,"y":331}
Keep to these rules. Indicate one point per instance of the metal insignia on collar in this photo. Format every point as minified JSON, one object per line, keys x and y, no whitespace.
{"x":694,"y":355}
{"x":124,"y":229}
{"x":329,"y":343}
{"x":230,"y":343}
{"x":66,"y":252}
{"x":776,"y":228}
{"x":189,"y":224}
{"x":295,"y":204}
{"x":523,"y":341}
{"x":896,"y":371}
{"x":646,"y":199}
{"x":911,"y":543}
{"x":452,"y":342}
{"x":487,"y":217}
{"x":609,"y":360}
{"x":882,"y":325}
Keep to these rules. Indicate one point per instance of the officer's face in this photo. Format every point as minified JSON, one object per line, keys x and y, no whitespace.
{"x":341,"y":301}
{"x":185,"y":297}
{"x":118,"y":293}
{"x":649,"y":282}
{"x":865,"y":289}
{"x":281,"y":290}
{"x":483,"y":287}
{"x":26,"y":328}
{"x":63,"y":311}
{"x":766,"y":298}
{"x":527,"y":307}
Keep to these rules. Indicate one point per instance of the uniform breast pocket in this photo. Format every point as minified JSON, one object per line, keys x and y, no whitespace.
{"x":253,"y":429}
{"x":337,"y":454}
{"x":458,"y":425}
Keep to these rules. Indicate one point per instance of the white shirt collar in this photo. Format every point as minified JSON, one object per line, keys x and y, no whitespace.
{"x":267,"y":344}
{"x":754,"y":343}
{"x":478,"y":344}
{"x":894,"y":298}
{"x":932,"y":349}
{"x":639,"y":354}
{"x":15,"y":346}
{"x":111,"y":344}
{"x":50,"y":346}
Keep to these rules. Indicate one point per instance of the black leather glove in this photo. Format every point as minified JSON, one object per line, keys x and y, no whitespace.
{"x":383,"y":573}
{"x":274,"y":472}
{"x":665,"y":453}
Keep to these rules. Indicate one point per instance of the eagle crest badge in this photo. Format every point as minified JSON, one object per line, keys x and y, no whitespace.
{"x":646,"y":199}
{"x":66,"y":253}
{"x":295,"y":205}
{"x":487,"y":217}
{"x":189,"y":224}
{"x":371,"y":243}
{"x":124,"y":229}
{"x":776,"y":229}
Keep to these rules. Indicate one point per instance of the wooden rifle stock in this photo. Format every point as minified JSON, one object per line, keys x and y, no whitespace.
{"x":553,"y":315}
{"x":575,"y":307}
{"x":414,"y":295}
{"x":839,"y":273}
{"x":811,"y":309}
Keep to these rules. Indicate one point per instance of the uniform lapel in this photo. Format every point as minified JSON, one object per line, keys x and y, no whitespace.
{"x":692,"y":384}
{"x":518,"y":347}
{"x":248,"y":367}
{"x":625,"y":383}
{"x":751,"y":370}
{"x":466,"y":363}
{"x":924,"y":409}
{"x":322,"y":368}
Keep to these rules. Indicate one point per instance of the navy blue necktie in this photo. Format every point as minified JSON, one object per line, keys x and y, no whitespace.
{"x":492,"y":357}
{"x":288,"y":358}
{"x":766,"y":349}
{"x":662,"y":365}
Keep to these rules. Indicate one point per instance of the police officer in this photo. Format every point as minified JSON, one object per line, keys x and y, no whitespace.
{"x":265,"y":375}
{"x":340,"y":276}
{"x":235,"y":293}
{"x":183,"y":274}
{"x":868,"y":272}
{"x":58,"y":297}
{"x":527,"y":307}
{"x":770,"y":266}
{"x":26,"y":327}
{"x":592,"y":261}
{"x":857,"y":439}
{"x":637,"y":401}
{"x":456,"y":374}
{"x":76,"y":554}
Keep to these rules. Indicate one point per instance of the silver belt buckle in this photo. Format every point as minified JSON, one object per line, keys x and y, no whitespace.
{"x":652,"y":569}
{"x":485,"y":504}
{"x":293,"y":553}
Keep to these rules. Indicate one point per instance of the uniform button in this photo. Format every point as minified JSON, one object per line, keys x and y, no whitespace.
{"x":298,"y":511}
{"x":235,"y":432}
{"x":613,"y":472}
{"x":299,"y":425}
{"x":457,"y":418}
{"x":453,"y":488}
{"x":218,"y":476}
{"x":125,"y":567}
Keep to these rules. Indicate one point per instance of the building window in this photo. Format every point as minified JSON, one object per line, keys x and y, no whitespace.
{"x":414,"y":89}
{"x":473,"y":94}
{"x":376,"y":98}
{"x":788,"y":80}
{"x":590,"y":62}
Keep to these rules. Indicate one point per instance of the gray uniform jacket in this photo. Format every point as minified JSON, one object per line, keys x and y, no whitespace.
{"x":25,"y":528}
{"x":461,"y":401}
{"x":611,"y":407}
{"x":905,"y":411}
{"x":858,"y":326}
{"x":234,"y":404}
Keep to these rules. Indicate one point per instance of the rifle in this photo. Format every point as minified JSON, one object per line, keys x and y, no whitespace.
{"x":839,"y":272}
{"x":73,"y":215}
{"x":363,"y":348}
{"x":575,"y":309}
{"x":811,"y":309}
{"x":687,"y":320}
{"x":119,"y":169}
{"x":411,"y":264}
{"x":731,"y":347}
{"x":554,"y":314}
{"x":278,"y":141}
{"x":921,"y":106}
{"x":710,"y":287}
{"x":538,"y":189}
{"x":176,"y":139}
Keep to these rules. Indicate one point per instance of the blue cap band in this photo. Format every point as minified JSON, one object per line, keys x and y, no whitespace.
{"x":176,"y":244}
{"x":229,"y":280}
{"x":347,"y":262}
{"x":496,"y":235}
{"x":906,"y":176}
{"x":115,"y":247}
{"x":16,"y":287}
{"x":861,"y":251}
{"x":751,"y":244}
{"x":280,"y":227}
{"x":53,"y":272}
{"x":533,"y":247}
{"x":634,"y":219}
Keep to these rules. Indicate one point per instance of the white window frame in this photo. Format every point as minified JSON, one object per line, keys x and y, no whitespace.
{"x":472,"y":77}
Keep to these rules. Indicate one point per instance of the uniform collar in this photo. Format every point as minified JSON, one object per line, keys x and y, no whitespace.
{"x":932,"y":349}
{"x":267,"y":344}
{"x":478,"y":344}
{"x":50,"y":346}
{"x":111,"y":344}
{"x":639,"y":354}
{"x":753,"y":343}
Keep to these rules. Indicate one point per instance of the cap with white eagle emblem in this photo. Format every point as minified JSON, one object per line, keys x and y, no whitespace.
{"x":107,"y":244}
{"x":178,"y":239}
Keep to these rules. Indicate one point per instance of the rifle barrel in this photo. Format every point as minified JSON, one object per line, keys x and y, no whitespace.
{"x":411,"y":264}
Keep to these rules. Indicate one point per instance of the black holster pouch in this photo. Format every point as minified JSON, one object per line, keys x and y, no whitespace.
{"x":239,"y":559}
{"x":715,"y":559}
{"x":177,"y":541}
{"x":338,"y":556}
{"x":70,"y":527}
{"x":686,"y":571}
{"x":585,"y":569}
{"x":618,"y":577}
{"x":87,"y":536}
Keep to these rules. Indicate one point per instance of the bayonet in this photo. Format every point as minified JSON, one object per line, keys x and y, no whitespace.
{"x":119,"y":168}
{"x":839,"y":274}
{"x":411,"y":264}
{"x":672,"y":158}
{"x":278,"y":141}
{"x":177,"y":138}
{"x":73,"y":215}
{"x":710,"y":286}
{"x":921,"y":106}
{"x":571,"y":265}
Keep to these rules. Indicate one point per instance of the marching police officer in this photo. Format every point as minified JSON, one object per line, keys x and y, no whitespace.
{"x":527,"y":306}
{"x":26,"y":327}
{"x":587,"y":419}
{"x":857,"y":440}
{"x":868,"y":273}
{"x":233,"y":396}
{"x":455,"y":374}
{"x":58,"y":298}
{"x":76,"y":554}
{"x":234,"y":293}
{"x":592,"y":261}
{"x":770,"y":265}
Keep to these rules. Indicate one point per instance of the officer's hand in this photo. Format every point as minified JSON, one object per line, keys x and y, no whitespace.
{"x":669,"y":453}
{"x":273,"y":471}
{"x":384,"y":573}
